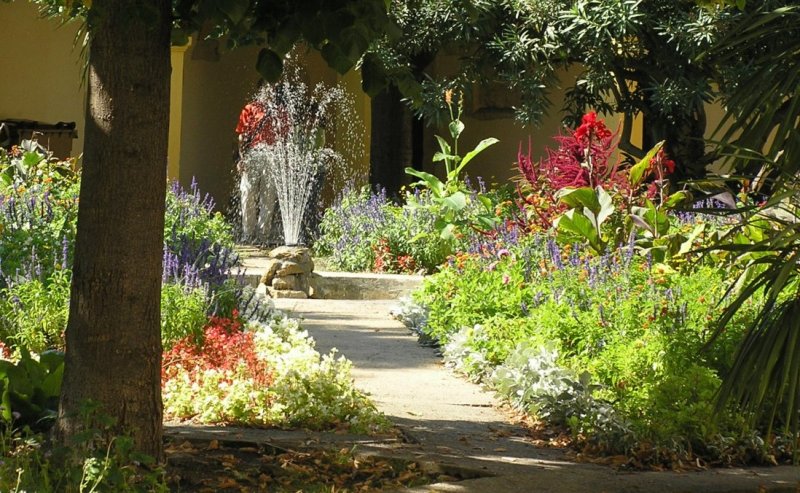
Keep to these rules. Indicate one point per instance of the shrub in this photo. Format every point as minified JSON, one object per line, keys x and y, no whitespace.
{"x":351,"y":227}
{"x":37,"y":230}
{"x":29,"y":390}
{"x":184,"y":314}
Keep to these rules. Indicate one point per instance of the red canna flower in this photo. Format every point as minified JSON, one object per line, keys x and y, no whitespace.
{"x":592,"y":128}
{"x":662,"y":163}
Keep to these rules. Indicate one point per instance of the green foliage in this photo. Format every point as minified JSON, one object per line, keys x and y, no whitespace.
{"x":364,"y":231}
{"x":340,"y":31}
{"x":608,"y":346}
{"x":33,"y":313}
{"x":29,"y":389}
{"x":184,"y":313}
{"x":96,"y":461}
{"x":190,"y":220}
{"x":38,"y":213}
{"x":758,"y":62}
{"x":763,"y":377}
{"x":450,"y":198}
{"x":31,"y":163}
{"x":590,"y":210}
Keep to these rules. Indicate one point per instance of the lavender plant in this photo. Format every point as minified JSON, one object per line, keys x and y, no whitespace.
{"x":199,"y":256}
{"x":351,"y":227}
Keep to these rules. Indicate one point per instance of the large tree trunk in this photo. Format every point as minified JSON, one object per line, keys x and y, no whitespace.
{"x":390,"y":141}
{"x":113,"y":336}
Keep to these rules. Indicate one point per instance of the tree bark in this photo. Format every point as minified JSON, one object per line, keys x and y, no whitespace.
{"x":391,"y":140}
{"x":113,"y":336}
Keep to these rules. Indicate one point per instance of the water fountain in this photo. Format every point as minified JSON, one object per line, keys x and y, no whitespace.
{"x":296,"y":161}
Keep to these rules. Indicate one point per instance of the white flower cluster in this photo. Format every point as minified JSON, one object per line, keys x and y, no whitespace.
{"x":307,"y":390}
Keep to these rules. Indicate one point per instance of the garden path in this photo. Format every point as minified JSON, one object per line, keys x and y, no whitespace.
{"x":457,"y":425}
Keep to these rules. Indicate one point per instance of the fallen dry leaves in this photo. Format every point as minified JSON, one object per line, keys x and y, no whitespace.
{"x":216,"y":467}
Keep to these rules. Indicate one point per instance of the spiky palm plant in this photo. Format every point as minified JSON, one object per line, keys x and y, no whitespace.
{"x":762,"y":55}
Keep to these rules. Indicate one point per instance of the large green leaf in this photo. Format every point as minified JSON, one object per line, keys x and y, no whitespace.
{"x":51,"y":385}
{"x":337,"y":58}
{"x":576,"y":223}
{"x":51,"y":360}
{"x":446,"y":230}
{"x":373,"y":75}
{"x":455,"y":202}
{"x":456,"y":127}
{"x":5,"y":400}
{"x":636,"y":174}
{"x":444,"y":146}
{"x":606,"y":205}
{"x":676,"y":199}
{"x":651,"y":218}
{"x":579,"y":197}
{"x":430,"y":181}
{"x":474,"y":152}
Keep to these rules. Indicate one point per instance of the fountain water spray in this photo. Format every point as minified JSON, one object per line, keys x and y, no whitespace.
{"x":298,"y":158}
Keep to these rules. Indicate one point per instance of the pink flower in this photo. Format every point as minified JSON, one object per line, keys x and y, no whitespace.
{"x":506,"y":279}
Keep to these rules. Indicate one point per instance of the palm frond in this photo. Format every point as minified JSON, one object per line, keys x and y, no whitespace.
{"x":764,"y":377}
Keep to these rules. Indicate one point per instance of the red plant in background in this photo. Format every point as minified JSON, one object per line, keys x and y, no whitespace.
{"x":660,"y":166}
{"x":225,"y":347}
{"x":388,"y":261}
{"x":581,"y":160}
{"x":406,"y":263}
{"x":384,"y":258}
{"x":592,"y":129}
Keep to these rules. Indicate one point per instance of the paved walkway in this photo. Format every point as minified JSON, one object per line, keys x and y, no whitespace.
{"x":453,"y":423}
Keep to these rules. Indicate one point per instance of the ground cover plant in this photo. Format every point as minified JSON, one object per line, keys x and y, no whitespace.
{"x":229,"y":357}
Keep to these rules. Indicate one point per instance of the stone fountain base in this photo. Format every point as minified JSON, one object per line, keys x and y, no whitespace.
{"x":288,"y":271}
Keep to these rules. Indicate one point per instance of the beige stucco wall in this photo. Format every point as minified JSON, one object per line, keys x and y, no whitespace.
{"x":41,"y":72}
{"x":214,"y":92}
{"x":42,"y":75}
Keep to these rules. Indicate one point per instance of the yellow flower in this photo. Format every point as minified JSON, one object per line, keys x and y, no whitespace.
{"x":448,"y":96}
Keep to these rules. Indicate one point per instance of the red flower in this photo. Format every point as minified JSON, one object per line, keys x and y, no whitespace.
{"x":660,"y":160}
{"x":225,"y":347}
{"x":592,"y":128}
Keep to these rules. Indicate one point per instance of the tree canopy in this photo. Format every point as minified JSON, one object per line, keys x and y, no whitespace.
{"x":647,"y":57}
